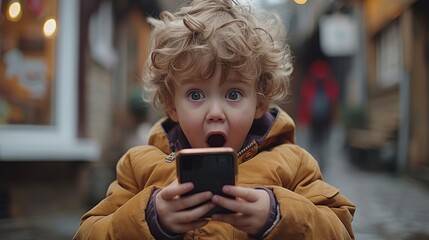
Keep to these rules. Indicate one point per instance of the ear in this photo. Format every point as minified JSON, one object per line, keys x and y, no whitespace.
{"x":172,"y":114}
{"x":260,"y":110}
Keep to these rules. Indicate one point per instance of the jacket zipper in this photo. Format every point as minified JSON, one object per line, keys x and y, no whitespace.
{"x":170,"y":158}
{"x":252,"y":144}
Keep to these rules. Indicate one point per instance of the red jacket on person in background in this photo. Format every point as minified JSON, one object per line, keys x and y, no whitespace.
{"x":318,"y":71}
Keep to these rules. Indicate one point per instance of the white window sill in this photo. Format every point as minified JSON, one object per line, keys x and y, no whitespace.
{"x":57,"y":141}
{"x":39,"y":150}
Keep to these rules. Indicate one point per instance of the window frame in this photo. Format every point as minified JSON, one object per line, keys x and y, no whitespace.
{"x":389,"y":56}
{"x":58,"y":141}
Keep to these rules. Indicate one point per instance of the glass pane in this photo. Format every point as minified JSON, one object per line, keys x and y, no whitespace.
{"x":389,"y":56}
{"x":27,"y":66}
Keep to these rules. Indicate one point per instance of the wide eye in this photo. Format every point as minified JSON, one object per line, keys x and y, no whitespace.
{"x":234,"y":95}
{"x":196,"y":95}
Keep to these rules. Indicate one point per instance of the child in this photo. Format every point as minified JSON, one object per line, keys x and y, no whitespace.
{"x":215,"y":68}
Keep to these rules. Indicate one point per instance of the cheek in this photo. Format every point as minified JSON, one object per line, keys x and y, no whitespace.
{"x":189,"y":119}
{"x":241,"y":123}
{"x":190,"y":124}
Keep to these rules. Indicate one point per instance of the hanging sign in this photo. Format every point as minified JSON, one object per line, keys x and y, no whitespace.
{"x":338,"y":35}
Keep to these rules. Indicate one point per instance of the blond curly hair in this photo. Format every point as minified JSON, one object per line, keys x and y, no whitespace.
{"x":192,"y":42}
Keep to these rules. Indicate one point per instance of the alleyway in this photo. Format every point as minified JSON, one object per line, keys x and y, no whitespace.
{"x":388,"y":207}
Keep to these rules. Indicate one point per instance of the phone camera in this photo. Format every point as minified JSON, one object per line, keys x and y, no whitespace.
{"x":192,"y":163}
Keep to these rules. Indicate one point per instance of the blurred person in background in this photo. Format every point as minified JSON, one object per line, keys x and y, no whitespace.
{"x":215,"y":69}
{"x":319,"y":97}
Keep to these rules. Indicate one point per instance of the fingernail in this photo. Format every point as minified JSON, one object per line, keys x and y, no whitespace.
{"x":226,"y":188}
{"x":188,"y":186}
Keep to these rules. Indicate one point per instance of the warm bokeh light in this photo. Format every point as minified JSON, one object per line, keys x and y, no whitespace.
{"x":49,"y":27}
{"x":14,"y":11}
{"x":300,"y":1}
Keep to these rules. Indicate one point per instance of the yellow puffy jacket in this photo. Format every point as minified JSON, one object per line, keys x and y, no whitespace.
{"x":309,"y":207}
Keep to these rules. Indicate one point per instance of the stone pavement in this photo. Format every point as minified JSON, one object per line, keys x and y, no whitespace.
{"x":388,"y":206}
{"x":61,"y":225}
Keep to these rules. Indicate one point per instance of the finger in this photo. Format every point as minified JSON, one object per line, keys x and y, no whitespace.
{"x":247,"y":194}
{"x":187,"y":217}
{"x":232,"y":204}
{"x":194,"y":214}
{"x":192,"y":200}
{"x":175,"y":189}
{"x":182,"y":221}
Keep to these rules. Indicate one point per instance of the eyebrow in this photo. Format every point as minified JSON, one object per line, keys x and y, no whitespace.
{"x":230,"y":79}
{"x":235,"y":80}
{"x":189,"y":80}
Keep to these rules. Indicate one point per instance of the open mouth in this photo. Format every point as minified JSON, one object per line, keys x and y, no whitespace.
{"x":216,"y":140}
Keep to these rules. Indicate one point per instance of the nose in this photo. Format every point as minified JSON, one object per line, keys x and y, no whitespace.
{"x":215,"y":112}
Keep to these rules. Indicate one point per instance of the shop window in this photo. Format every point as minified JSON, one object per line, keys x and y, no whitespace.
{"x":38,"y":81}
{"x":389,"y":56}
{"x":27,"y":66}
{"x":27,"y":69}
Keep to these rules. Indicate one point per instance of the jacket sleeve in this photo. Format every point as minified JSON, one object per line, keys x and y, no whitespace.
{"x":311,"y":208}
{"x":121,"y":215}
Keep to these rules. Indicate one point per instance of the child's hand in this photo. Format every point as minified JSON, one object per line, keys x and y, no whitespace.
{"x":173,"y":211}
{"x":252,"y":208}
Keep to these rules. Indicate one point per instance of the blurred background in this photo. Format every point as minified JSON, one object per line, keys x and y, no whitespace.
{"x":70,"y":105}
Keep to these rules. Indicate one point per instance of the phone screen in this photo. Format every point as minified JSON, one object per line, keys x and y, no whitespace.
{"x":208,"y":169}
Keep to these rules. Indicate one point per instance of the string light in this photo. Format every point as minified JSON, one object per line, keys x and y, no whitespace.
{"x":14,"y":11}
{"x":49,"y":27}
{"x":300,"y":2}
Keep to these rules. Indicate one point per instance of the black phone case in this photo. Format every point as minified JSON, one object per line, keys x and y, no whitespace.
{"x":209,"y":172}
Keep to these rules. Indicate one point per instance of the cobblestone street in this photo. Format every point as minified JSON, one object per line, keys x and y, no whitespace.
{"x":388,"y":206}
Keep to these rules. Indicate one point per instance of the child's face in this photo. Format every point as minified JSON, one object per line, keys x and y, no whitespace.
{"x":212,"y":114}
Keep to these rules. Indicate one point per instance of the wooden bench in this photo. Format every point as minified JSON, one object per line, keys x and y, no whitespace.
{"x":367,"y":144}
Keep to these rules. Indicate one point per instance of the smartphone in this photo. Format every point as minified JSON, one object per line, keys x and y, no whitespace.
{"x":209,"y":169}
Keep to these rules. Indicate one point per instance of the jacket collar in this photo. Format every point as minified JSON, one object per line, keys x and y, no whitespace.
{"x":274,"y":128}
